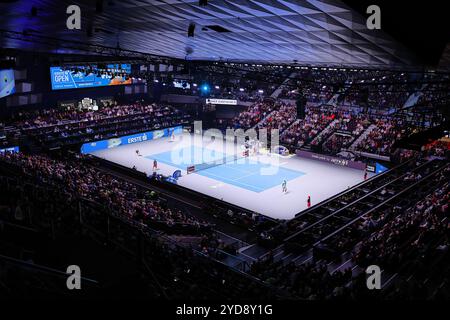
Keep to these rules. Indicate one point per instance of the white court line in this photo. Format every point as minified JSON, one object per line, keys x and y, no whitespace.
{"x":270,"y":202}
{"x":248,"y":175}
{"x":223,"y":178}
{"x":232,"y":168}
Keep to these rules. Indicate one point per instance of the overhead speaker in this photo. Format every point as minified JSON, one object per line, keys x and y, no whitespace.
{"x":191,"y":30}
{"x":364,"y":94}
{"x":99,"y":6}
{"x":301,"y":106}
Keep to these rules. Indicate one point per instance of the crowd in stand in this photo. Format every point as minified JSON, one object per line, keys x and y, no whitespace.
{"x":381,"y":92}
{"x":331,"y":130}
{"x":230,"y":81}
{"x":342,"y":129}
{"x":280,"y":118}
{"x":379,"y":220}
{"x":384,"y":134}
{"x":254,"y":114}
{"x":342,"y":132}
{"x":439,"y":148}
{"x":314,"y":83}
{"x":412,"y":230}
{"x":182,"y":270}
{"x":389,"y":237}
{"x":374,"y":88}
{"x":428,"y":219}
{"x":436,"y":92}
{"x":309,"y":281}
{"x":80,"y":180}
{"x":336,"y":143}
{"x":55,"y":127}
{"x":3,"y":137}
{"x":305,"y":130}
{"x":352,"y":123}
{"x":57,"y":116}
{"x":242,"y":92}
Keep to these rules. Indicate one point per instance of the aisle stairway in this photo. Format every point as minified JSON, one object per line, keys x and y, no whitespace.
{"x":328,"y":129}
{"x":361,"y":138}
{"x":414,"y":97}
{"x":277,"y":92}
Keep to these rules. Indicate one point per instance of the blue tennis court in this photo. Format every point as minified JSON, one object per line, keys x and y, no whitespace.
{"x":243,"y":173}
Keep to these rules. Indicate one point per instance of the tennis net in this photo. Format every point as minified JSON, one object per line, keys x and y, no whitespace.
{"x":215,"y":163}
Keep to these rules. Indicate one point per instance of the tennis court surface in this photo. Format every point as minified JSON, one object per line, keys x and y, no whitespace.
{"x":240,"y":182}
{"x":246,"y":173}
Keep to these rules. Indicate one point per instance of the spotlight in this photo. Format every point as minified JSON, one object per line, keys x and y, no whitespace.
{"x":204,"y":89}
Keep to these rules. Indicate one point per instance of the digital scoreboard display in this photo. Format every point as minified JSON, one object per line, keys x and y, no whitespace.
{"x":87,"y":76}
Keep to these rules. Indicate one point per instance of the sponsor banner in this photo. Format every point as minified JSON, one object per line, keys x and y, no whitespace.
{"x":130,"y":139}
{"x":10,"y":149}
{"x":105,"y":101}
{"x":228,"y":102}
{"x":72,"y":104}
{"x":379,"y":168}
{"x":190,"y":169}
{"x":373,"y":156}
{"x":334,"y":160}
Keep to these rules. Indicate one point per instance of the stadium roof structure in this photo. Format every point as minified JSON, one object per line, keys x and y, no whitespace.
{"x":313,"y":32}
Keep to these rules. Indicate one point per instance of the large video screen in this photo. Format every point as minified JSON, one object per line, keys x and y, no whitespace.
{"x":7,"y":83}
{"x":182,"y":84}
{"x":93,"y":75}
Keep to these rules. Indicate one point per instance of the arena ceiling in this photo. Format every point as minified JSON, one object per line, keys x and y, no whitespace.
{"x":272,"y":31}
